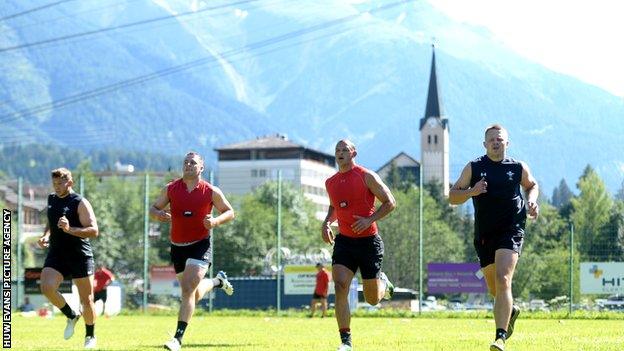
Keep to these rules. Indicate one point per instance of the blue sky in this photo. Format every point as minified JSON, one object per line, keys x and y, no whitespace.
{"x":578,"y":38}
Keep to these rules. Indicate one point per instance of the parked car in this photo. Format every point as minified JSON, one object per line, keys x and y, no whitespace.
{"x":614,"y":303}
{"x":538,"y":305}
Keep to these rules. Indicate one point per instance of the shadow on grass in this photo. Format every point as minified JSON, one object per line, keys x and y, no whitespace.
{"x":205,"y":346}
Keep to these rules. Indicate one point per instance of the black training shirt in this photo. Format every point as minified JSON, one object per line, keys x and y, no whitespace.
{"x":62,"y":243}
{"x":501,"y":210}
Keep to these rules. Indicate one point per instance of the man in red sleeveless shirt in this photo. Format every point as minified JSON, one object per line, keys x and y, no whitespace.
{"x":102,"y":278}
{"x":352,"y":192}
{"x":190,"y":201}
{"x":320,"y":290}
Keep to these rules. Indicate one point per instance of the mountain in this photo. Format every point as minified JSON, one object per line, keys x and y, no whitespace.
{"x":317,"y":71}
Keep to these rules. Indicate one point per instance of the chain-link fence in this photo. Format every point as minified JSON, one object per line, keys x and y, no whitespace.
{"x":572,"y":257}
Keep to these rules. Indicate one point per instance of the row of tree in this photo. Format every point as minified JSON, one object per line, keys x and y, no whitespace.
{"x":240,"y":247}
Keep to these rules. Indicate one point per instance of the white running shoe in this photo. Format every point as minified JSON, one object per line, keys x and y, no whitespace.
{"x":90,"y":342}
{"x":345,"y":347}
{"x":69,"y":328}
{"x":389,"y":286}
{"x":226,"y":286}
{"x":173,"y":345}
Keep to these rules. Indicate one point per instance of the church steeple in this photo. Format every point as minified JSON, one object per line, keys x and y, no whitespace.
{"x":434,"y":104}
{"x":434,"y":135}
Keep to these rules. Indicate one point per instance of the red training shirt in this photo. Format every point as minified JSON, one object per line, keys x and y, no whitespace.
{"x":322,"y":283}
{"x":349,"y":196}
{"x":188,"y":210}
{"x":102,"y":277}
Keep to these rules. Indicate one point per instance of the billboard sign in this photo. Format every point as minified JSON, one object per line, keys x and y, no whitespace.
{"x":602,"y":277}
{"x":32,"y":280}
{"x":455,"y":278}
{"x":163,"y":281}
{"x":301,"y":280}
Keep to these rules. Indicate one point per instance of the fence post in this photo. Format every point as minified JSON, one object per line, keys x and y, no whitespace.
{"x":571,"y":268}
{"x":279,"y":241}
{"x":420,"y":240}
{"x":20,"y":228}
{"x":145,"y":239}
{"x":210,"y":238}
{"x":81,"y":185}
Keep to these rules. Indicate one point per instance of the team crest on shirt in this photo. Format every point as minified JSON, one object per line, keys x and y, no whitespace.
{"x":510,"y":174}
{"x":483,"y":174}
{"x":342,"y":204}
{"x":65,"y":210}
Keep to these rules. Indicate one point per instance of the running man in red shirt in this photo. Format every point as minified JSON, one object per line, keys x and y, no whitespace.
{"x":191,"y":199}
{"x":102,"y":277}
{"x":320,"y":291}
{"x":352,"y":192}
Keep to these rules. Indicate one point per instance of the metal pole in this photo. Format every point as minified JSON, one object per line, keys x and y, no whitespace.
{"x":571,"y":267}
{"x":20,"y":222}
{"x":420,"y":240}
{"x":210,"y":238}
{"x":279,"y":241}
{"x":81,"y":185}
{"x":145,"y":239}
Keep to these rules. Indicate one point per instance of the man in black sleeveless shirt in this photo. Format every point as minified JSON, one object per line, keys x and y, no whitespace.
{"x":493,"y":182}
{"x":71,"y":222}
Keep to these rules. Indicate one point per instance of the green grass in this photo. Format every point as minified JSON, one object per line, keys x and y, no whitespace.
{"x":299,"y":333}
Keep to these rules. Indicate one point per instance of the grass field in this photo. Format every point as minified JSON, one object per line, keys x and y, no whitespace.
{"x":298,"y":333}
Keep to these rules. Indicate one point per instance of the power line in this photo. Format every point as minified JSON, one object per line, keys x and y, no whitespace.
{"x":33,"y":10}
{"x":160,"y":25}
{"x":122,"y":26}
{"x":186,"y":66}
{"x":71,"y":15}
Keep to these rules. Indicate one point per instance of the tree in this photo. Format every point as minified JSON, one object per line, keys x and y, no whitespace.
{"x":562,"y":195}
{"x":401,"y":178}
{"x":401,"y":238}
{"x":591,"y":211}
{"x":118,"y":207}
{"x":543,"y":268}
{"x":620,"y":193}
{"x":241,"y":246}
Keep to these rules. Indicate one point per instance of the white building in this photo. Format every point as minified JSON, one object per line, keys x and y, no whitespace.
{"x":244,"y":166}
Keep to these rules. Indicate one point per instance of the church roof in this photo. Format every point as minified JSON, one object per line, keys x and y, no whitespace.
{"x":434,"y":103}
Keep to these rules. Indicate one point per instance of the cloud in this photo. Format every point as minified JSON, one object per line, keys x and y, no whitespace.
{"x":241,"y":13}
{"x":541,"y":130}
{"x":400,"y":18}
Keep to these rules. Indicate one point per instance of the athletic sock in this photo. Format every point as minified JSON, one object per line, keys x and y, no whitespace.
{"x":501,"y":334}
{"x":180,"y":331}
{"x":90,"y":329}
{"x":68,"y":312}
{"x":345,"y":336}
{"x":216,"y":282}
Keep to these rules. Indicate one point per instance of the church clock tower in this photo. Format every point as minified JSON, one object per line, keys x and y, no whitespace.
{"x":434,"y":136}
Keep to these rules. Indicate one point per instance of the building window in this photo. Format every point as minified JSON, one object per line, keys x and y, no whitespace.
{"x":435,"y":139}
{"x":254,"y":173}
{"x":428,"y":139}
{"x":262,"y":173}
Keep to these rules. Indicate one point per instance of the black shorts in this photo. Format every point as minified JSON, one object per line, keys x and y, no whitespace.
{"x":316,"y":296}
{"x":100,"y":295}
{"x":363,"y":253}
{"x":200,"y":251}
{"x":486,"y":247}
{"x":70,"y":268}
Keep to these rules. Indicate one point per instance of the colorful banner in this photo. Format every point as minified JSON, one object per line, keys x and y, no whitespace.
{"x":32,"y":280}
{"x":301,"y":280}
{"x":163,"y":281}
{"x":455,"y":278}
{"x":602,"y":277}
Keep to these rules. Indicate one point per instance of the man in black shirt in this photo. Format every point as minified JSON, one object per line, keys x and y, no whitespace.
{"x":71,"y":222}
{"x":493,"y":182}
